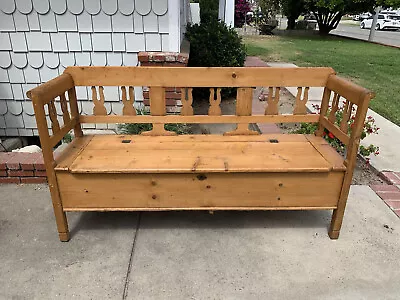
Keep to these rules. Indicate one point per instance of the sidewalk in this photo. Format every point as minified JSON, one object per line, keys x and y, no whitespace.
{"x":195,"y":255}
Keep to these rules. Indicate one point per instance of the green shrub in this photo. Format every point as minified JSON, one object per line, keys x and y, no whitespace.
{"x":208,"y":10}
{"x":138,"y":128}
{"x":214,"y":44}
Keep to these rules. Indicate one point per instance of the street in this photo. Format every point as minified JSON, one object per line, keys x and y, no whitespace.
{"x":385,"y":37}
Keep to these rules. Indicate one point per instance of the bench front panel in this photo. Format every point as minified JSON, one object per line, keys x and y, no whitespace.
{"x":199,"y":191}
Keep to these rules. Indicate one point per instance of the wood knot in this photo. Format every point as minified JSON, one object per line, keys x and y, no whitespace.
{"x":154,"y":197}
{"x":233,"y":75}
{"x":201,"y":177}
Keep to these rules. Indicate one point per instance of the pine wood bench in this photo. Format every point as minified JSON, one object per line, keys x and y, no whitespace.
{"x":158,"y":170}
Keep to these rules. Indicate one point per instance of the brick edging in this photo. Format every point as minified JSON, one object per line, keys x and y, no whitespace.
{"x":390,"y":177}
{"x":390,"y":194}
{"x":16,"y":167}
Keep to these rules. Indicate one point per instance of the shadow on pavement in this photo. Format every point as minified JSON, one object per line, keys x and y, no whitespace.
{"x":201,"y":219}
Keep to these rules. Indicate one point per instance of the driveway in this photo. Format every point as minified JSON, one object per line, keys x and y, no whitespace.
{"x":385,"y":37}
{"x":195,"y":255}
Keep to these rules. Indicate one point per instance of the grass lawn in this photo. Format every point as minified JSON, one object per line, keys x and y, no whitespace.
{"x":373,"y":66}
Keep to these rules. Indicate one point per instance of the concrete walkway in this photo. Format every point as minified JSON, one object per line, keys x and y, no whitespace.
{"x":195,"y":255}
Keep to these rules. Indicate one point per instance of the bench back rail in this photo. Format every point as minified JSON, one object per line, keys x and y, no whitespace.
{"x":159,"y":79}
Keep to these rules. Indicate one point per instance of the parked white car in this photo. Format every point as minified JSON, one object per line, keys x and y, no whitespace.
{"x":385,"y":21}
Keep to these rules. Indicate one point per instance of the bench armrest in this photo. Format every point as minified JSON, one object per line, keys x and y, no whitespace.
{"x":45,"y":95}
{"x":354,"y":110}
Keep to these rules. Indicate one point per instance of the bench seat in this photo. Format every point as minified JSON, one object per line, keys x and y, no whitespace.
{"x":201,"y":154}
{"x":199,"y":172}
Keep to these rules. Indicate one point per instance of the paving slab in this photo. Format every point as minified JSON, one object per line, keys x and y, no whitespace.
{"x":268,"y":255}
{"x":281,"y":65}
{"x":36,"y":265}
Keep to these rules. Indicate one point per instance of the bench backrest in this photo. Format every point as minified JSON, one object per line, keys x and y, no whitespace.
{"x":158,"y":79}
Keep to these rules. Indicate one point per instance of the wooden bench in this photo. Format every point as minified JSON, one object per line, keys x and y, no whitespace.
{"x":158,"y":170}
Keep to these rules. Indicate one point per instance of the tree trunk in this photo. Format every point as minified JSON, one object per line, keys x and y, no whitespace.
{"x":291,"y":23}
{"x":324,"y":29}
{"x":327,"y":22}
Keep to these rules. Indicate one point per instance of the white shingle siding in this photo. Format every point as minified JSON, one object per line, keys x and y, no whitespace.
{"x":33,"y":21}
{"x":59,"y":42}
{"x":6,"y":22}
{"x":20,"y":21}
{"x":47,"y":22}
{"x":40,"y":38}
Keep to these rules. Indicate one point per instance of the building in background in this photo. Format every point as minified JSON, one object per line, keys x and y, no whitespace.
{"x":40,"y":38}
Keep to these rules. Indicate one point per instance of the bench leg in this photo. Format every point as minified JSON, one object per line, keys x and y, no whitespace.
{"x":336,"y":224}
{"x":61,"y":218}
{"x":338,"y":213}
{"x":61,"y":221}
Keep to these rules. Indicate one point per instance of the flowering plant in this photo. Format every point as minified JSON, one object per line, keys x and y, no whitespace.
{"x":242,"y":7}
{"x":369,"y":128}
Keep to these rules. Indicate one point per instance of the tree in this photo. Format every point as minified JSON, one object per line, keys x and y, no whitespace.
{"x":329,"y":12}
{"x":269,"y":8}
{"x":292,"y":9}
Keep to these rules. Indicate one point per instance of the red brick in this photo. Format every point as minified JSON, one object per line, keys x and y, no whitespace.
{"x":389,"y":195}
{"x":391,"y":177}
{"x":10,"y":180}
{"x":183,"y":58}
{"x":13,"y":159}
{"x":169,"y":102}
{"x":173,"y":95}
{"x":34,"y":180}
{"x":170,"y":57}
{"x":3,"y":173}
{"x":39,"y":164}
{"x":40,"y":173}
{"x":3,"y":160}
{"x":172,"y":89}
{"x":143,"y":56}
{"x":19,"y":173}
{"x":173,"y":109}
{"x":29,"y":162}
{"x":393,"y":204}
{"x":159,"y":58}
{"x":385,"y":188}
{"x":151,"y":64}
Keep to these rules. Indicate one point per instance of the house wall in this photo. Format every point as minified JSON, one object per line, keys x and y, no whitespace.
{"x":40,"y":38}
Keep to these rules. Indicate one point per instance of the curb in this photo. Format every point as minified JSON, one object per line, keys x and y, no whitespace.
{"x":371,"y":42}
